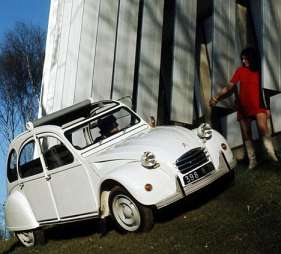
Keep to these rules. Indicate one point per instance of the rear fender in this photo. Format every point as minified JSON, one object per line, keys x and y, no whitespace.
{"x":18,"y":213}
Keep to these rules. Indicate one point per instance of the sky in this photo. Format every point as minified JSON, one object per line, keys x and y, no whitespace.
{"x":35,"y":12}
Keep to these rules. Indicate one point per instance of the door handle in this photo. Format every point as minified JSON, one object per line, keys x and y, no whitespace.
{"x":48,"y":177}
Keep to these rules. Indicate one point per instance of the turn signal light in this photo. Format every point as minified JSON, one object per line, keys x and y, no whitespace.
{"x":224,"y":146}
{"x":148,"y":187}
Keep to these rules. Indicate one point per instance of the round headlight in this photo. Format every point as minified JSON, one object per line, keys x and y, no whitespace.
{"x":204,"y":131}
{"x":148,"y":160}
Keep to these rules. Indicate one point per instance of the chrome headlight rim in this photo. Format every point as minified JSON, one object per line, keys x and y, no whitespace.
{"x":204,"y":131}
{"x":149,"y":161}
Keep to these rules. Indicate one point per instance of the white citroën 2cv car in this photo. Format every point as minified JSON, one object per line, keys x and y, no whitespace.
{"x":94,"y":160}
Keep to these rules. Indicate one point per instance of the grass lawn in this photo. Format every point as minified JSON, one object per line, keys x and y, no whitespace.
{"x":244,"y":217}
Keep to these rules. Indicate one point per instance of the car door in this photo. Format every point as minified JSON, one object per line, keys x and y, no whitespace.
{"x":33,"y":184}
{"x":69,"y":180}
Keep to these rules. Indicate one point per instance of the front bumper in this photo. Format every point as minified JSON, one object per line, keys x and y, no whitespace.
{"x":185,"y":190}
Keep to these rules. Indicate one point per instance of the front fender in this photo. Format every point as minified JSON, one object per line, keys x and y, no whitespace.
{"x":214,"y":148}
{"x":133,"y":177}
{"x":18,"y":213}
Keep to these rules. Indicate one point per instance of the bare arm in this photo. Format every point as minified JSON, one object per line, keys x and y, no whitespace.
{"x":223,"y":93}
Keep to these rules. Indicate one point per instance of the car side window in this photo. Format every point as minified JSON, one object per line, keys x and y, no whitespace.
{"x":29,"y":161}
{"x":55,"y":153}
{"x":12,"y":167}
{"x":101,"y":128}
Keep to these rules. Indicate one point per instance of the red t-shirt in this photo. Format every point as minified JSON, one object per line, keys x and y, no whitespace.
{"x":249,"y":103}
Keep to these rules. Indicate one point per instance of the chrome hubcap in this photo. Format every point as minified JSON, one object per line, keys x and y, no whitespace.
{"x":26,"y":238}
{"x":126,"y":212}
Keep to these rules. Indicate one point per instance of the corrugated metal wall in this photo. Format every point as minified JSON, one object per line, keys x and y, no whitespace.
{"x":115,"y":48}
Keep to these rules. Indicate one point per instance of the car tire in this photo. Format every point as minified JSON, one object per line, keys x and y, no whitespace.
{"x":31,"y":238}
{"x":127,"y":213}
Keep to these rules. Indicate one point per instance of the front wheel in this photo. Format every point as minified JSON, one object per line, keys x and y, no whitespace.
{"x":30,"y":238}
{"x":128,"y":214}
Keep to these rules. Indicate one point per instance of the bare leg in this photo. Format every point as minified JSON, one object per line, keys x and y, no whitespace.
{"x":264,"y":131}
{"x":245,"y":125}
{"x":262,"y":124}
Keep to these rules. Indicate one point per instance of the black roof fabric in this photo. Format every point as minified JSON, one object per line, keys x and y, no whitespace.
{"x":82,"y":109}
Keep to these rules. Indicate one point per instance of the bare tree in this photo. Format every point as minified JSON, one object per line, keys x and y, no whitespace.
{"x":21,"y":64}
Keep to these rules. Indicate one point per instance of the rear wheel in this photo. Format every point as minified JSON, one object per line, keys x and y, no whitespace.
{"x":128,"y":214}
{"x":30,"y":238}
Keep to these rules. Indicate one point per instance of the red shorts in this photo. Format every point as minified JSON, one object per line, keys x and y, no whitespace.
{"x":241,"y":114}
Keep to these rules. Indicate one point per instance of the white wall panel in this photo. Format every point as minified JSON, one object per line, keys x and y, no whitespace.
{"x":52,"y":34}
{"x":72,"y":52}
{"x":275,"y":107}
{"x":62,"y":54}
{"x":242,"y":28}
{"x":125,"y":49}
{"x":104,"y":57}
{"x":150,"y":57}
{"x":184,"y":61}
{"x":232,"y":130}
{"x":87,"y":50}
{"x":271,"y":61}
{"x":225,"y":54}
{"x":256,"y":11}
{"x":54,"y":57}
{"x":205,"y":60}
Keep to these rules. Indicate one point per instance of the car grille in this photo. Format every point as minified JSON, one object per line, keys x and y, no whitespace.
{"x":191,"y":159}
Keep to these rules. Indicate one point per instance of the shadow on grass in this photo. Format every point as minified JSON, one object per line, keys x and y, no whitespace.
{"x":90,"y":227}
{"x":195,"y":200}
{"x":13,"y":247}
{"x":78,"y":229}
{"x":67,"y":232}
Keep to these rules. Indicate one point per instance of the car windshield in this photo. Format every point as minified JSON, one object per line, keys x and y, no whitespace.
{"x":101,"y":128}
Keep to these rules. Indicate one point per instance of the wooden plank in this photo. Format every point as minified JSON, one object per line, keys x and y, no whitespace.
{"x":62,"y":54}
{"x":184,"y":61}
{"x":231,"y":130}
{"x":225,"y":55}
{"x":49,"y":70}
{"x":105,"y":48}
{"x":125,"y":49}
{"x":271,"y":61}
{"x":72,"y":53}
{"x":276,"y":112}
{"x":87,"y":50}
{"x":150,"y":57}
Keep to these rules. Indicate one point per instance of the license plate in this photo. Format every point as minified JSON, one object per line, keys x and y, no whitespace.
{"x":198,"y":173}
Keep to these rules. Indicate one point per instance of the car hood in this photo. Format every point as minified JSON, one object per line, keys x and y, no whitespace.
{"x":167,"y":143}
